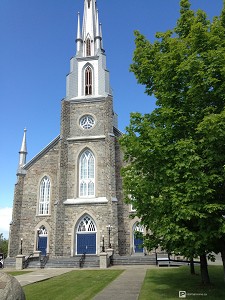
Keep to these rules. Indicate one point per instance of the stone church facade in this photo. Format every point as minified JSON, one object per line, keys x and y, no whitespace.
{"x":68,"y":198}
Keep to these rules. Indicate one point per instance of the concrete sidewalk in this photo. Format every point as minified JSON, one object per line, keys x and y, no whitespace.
{"x":40,"y":275}
{"x":125,"y":287}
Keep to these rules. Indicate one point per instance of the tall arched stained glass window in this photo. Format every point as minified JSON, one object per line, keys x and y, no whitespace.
{"x":88,"y":81}
{"x":87,"y":174}
{"x":44,"y":197}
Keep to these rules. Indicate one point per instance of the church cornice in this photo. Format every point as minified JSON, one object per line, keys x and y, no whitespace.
{"x":87,"y":58}
{"x":77,"y":201}
{"x":88,"y":99}
{"x":87,"y":138}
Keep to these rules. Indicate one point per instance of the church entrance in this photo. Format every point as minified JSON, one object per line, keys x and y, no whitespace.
{"x":137,"y":237}
{"x":86,"y":236}
{"x":42,"y":240}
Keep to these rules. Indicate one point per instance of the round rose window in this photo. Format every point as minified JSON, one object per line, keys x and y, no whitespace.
{"x":87,"y":122}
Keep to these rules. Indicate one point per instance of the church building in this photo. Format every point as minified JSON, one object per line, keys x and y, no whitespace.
{"x":68,"y":199}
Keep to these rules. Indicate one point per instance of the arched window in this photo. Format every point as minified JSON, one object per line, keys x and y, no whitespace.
{"x":42,"y":231}
{"x":44,"y":197}
{"x":86,"y":225}
{"x":88,"y":81}
{"x":138,"y":227}
{"x":88,"y":47}
{"x":87,"y":174}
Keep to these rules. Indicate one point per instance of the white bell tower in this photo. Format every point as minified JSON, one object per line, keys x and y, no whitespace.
{"x":88,"y":77}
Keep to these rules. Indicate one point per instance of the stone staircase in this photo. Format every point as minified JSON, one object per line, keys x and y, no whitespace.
{"x":10,"y":262}
{"x":91,"y":261}
{"x":73,"y":262}
{"x":133,"y":260}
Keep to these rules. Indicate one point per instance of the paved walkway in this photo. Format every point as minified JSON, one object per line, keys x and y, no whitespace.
{"x":125,"y":287}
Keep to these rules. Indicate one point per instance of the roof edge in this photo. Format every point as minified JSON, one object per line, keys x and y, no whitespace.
{"x":41,"y":153}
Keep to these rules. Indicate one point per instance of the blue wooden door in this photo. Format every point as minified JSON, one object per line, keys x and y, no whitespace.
{"x":86,"y":243}
{"x":42,"y":244}
{"x":138,"y":247}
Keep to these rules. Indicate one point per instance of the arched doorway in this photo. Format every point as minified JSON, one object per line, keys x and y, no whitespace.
{"x":138,"y":229}
{"x":86,"y":236}
{"x":42,"y":240}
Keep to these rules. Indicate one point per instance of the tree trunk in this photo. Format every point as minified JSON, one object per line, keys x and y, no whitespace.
{"x":192,"y":266}
{"x":223,"y":258}
{"x":204,"y":270}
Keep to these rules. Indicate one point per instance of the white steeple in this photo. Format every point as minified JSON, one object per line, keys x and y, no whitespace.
{"x":88,"y":77}
{"x":90,"y":29}
{"x":22,"y":154}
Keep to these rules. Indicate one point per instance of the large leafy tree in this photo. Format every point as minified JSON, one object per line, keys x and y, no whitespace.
{"x":175,"y":174}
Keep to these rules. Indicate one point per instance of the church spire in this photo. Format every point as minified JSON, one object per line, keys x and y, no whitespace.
{"x":90,"y":41}
{"x":22,"y":153}
{"x":98,"y":36}
{"x":88,"y":77}
{"x":79,"y":40}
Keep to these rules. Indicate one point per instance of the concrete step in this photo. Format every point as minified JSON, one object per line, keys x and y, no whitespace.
{"x":10,"y":262}
{"x":133,"y":260}
{"x":73,"y":262}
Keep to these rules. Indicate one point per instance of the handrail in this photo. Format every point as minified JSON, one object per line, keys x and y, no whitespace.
{"x":26,"y":261}
{"x":167,"y":260}
{"x":82,"y":259}
{"x":44,"y":260}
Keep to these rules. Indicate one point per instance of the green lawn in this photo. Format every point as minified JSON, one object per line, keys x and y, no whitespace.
{"x":82,"y":285}
{"x":165,"y":283}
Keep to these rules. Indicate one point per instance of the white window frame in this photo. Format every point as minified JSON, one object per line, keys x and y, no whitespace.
{"x":44,"y":196}
{"x":88,"y":81}
{"x":87,"y":174}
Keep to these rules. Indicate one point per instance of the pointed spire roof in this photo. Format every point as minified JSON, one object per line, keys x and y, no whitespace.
{"x":89,"y":19}
{"x":78,"y":26}
{"x":90,"y":57}
{"x":90,"y":36}
{"x":100,"y":30}
{"x":79,"y":40}
{"x":22,"y":154}
{"x":23,"y":148}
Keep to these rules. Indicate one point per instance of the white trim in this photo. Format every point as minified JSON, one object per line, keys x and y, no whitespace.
{"x":81,"y":138}
{"x":114,"y":199}
{"x":76,"y":201}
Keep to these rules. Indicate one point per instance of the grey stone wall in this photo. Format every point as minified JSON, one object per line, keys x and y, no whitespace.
{"x":25,"y":212}
{"x":61,"y":163}
{"x":14,"y":233}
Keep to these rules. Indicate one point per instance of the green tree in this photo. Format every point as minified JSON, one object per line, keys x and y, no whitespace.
{"x":175,"y":172}
{"x":3,"y":245}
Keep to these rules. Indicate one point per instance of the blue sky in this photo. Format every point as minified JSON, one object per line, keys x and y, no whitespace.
{"x":37,"y":42}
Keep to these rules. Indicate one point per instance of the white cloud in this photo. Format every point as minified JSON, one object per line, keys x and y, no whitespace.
{"x":5,"y":219}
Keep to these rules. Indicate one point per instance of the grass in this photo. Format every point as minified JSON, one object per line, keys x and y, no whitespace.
{"x":15,"y":273}
{"x":82,"y":285}
{"x":166,"y":283}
